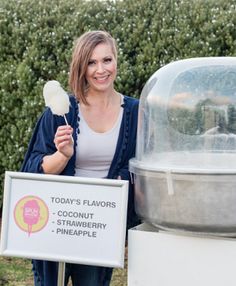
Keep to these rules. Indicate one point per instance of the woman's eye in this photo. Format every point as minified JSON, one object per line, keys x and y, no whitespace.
{"x":91,"y":63}
{"x":107,"y":60}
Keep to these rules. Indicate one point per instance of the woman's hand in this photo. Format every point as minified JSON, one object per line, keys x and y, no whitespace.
{"x":55,"y":163}
{"x":63,"y":140}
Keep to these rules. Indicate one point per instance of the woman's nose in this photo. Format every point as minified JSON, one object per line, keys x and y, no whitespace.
{"x":100,"y":67}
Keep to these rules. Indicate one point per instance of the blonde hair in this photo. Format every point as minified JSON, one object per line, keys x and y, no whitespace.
{"x":81,"y":55}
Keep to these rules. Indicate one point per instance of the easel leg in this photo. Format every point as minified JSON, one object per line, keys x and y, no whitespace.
{"x":61,"y":274}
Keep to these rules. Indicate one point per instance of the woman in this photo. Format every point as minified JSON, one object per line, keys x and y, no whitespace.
{"x":98,"y":142}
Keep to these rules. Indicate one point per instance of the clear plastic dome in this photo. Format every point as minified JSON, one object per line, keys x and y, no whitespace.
{"x":185,"y":162}
{"x":188,"y":108}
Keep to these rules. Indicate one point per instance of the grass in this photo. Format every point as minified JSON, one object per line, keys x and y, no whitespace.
{"x":17,"y":272}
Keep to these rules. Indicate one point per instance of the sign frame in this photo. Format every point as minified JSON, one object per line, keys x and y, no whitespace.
{"x":115,"y":229}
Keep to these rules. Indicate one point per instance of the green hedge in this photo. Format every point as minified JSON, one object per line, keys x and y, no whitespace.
{"x":36,"y":38}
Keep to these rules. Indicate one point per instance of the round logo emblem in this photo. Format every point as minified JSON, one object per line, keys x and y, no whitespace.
{"x":31,"y":214}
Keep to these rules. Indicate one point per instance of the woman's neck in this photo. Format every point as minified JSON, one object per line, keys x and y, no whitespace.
{"x":103,"y":99}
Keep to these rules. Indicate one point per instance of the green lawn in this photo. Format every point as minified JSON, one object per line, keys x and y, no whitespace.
{"x":17,"y":272}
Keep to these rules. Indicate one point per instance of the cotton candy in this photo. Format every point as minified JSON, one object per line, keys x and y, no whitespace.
{"x":56,"y":98}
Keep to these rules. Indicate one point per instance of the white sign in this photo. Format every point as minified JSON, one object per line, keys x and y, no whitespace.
{"x":63,"y":218}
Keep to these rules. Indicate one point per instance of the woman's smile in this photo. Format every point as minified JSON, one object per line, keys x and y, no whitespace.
{"x":102,"y":78}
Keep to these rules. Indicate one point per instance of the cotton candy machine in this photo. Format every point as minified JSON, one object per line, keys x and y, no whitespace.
{"x":185,"y":164}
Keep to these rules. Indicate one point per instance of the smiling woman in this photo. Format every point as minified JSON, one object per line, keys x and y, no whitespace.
{"x":89,"y":53}
{"x":101,"y":71}
{"x":99,"y":102}
{"x":98,"y":143}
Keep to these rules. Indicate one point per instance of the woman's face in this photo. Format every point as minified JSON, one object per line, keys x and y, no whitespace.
{"x":102,"y":68}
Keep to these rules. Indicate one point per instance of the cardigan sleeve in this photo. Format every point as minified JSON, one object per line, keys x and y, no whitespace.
{"x":41,"y":143}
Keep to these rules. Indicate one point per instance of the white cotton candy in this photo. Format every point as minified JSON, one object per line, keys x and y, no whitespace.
{"x":56,"y":98}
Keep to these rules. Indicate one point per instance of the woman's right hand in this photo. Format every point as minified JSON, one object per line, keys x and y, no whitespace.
{"x":56,"y":162}
{"x":63,"y":140}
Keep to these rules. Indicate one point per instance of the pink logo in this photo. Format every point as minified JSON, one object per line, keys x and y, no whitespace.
{"x":31,"y":214}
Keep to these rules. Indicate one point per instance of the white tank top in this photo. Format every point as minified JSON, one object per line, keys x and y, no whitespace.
{"x":95,"y":151}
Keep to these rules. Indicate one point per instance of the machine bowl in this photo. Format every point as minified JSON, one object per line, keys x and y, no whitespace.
{"x":187,"y":199}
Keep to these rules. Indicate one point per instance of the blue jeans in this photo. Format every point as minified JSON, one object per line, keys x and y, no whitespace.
{"x":45,"y":274}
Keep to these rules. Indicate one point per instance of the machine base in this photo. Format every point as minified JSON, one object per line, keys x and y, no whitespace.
{"x":161,"y":258}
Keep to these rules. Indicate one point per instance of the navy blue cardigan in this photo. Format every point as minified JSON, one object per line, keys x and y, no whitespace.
{"x":42,"y":143}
